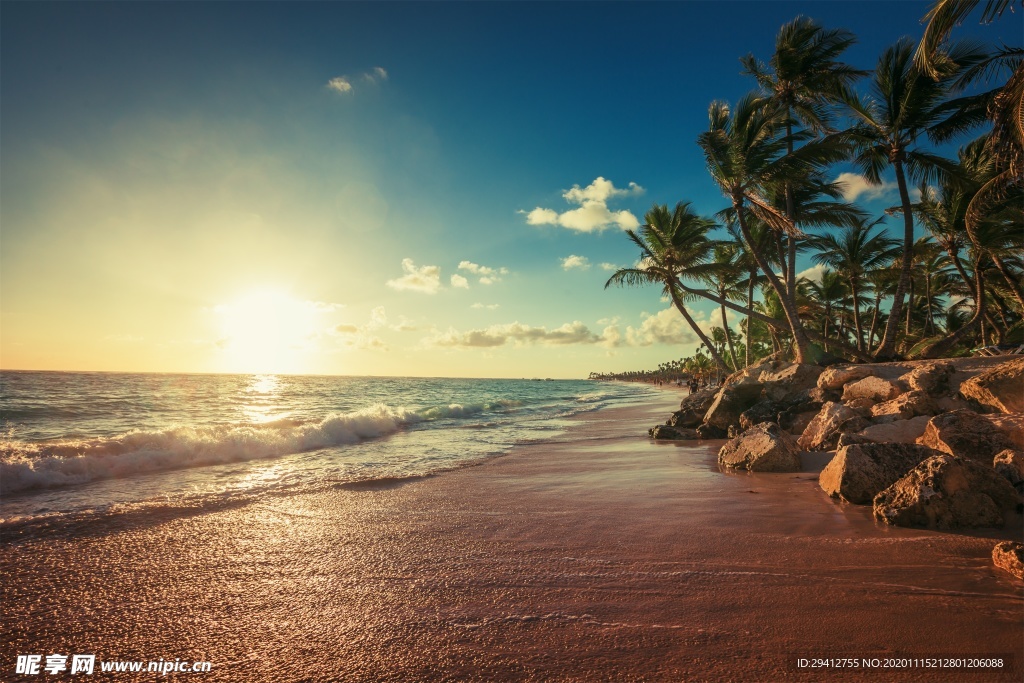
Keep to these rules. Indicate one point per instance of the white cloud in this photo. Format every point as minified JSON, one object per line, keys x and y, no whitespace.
{"x":518,"y":334}
{"x":376,"y":74}
{"x":487,"y":275}
{"x":577,"y":262}
{"x":593,"y":213}
{"x":426,"y":279}
{"x":343,"y":83}
{"x":347,"y":329}
{"x":339,"y":84}
{"x":609,"y":266}
{"x":489,"y":307}
{"x":813,"y":273}
{"x":459,"y":282}
{"x":854,"y":185}
{"x":378,"y":317}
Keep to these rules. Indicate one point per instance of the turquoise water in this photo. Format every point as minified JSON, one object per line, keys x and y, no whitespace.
{"x":80,"y":444}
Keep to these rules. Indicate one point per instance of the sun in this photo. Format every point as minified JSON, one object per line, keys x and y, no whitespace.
{"x":267,"y":331}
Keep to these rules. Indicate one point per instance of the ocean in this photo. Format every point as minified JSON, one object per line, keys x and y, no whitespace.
{"x":78,"y":446}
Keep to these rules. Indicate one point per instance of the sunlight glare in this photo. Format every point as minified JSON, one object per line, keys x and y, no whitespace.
{"x":267,"y":331}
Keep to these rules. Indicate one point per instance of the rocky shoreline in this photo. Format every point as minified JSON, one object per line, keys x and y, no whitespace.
{"x":927,"y":444}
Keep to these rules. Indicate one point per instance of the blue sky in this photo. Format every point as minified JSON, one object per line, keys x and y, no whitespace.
{"x":180,"y":181}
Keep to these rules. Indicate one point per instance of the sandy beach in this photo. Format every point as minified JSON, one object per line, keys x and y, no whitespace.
{"x":597,"y":556}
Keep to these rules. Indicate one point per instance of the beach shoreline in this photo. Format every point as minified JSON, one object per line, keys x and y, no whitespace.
{"x":596,"y":555}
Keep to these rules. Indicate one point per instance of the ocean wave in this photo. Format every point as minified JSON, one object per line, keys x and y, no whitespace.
{"x":592,"y":397}
{"x":25,"y":466}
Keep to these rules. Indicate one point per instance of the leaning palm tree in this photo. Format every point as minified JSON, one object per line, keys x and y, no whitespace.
{"x":804,"y":79}
{"x":855,"y":252}
{"x":725,"y":280}
{"x":673,"y":245}
{"x":904,"y":106}
{"x":1003,"y":107}
{"x":745,"y":155}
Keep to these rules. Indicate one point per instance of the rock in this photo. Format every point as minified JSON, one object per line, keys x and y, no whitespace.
{"x":838,"y":376}
{"x":824,"y":429}
{"x":769,"y":365}
{"x":762,"y":411}
{"x":947,"y":492}
{"x":965,"y":433}
{"x":899,"y":431}
{"x":693,"y":408}
{"x":707,"y":431}
{"x":905,"y":406}
{"x":731,"y":402}
{"x":858,"y":472}
{"x":1011,"y":425}
{"x":948,"y":404}
{"x":785,"y":384}
{"x":873,"y":388}
{"x":1009,"y":556}
{"x":850,"y":439}
{"x":1009,"y":464}
{"x":819,"y":395}
{"x":1000,"y":389}
{"x":664,"y":432}
{"x":930,"y":378}
{"x":861,"y":406}
{"x":762,"y":448}
{"x":796,"y":424}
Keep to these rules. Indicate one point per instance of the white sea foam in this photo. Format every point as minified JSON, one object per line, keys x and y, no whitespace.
{"x":26,"y":466}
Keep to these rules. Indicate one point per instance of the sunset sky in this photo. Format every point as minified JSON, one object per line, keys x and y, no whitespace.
{"x":430,"y":189}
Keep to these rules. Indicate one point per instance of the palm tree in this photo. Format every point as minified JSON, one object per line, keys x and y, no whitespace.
{"x":854,"y":252}
{"x":905,"y":105}
{"x":744,"y":154}
{"x":1003,"y":107}
{"x":830,"y":294}
{"x":726,"y":282}
{"x":672,"y":245}
{"x":804,"y":79}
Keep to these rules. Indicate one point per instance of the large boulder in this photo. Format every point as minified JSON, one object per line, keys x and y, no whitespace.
{"x":693,"y":408}
{"x":824,"y":430}
{"x":947,"y":492}
{"x":872,"y":388}
{"x":1009,"y":556}
{"x":899,"y":431}
{"x":665,"y":432}
{"x":1000,"y":389}
{"x":965,"y":433}
{"x":796,"y":423}
{"x":763,"y":411}
{"x":1011,"y":425}
{"x":762,"y":448}
{"x":905,"y":406}
{"x":706,"y":431}
{"x":838,"y":376}
{"x":931,"y":378}
{"x":1010,"y":465}
{"x":857,"y":473}
{"x":787,"y":383}
{"x":731,"y":402}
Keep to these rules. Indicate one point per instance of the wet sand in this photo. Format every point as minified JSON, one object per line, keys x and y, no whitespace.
{"x":597,"y":557}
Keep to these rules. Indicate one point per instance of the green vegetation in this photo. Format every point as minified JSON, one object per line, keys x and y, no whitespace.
{"x":879,"y":296}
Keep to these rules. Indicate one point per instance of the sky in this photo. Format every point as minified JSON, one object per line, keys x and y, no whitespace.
{"x":422,"y":189}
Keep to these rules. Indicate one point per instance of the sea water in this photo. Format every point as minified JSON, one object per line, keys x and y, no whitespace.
{"x":80,"y":445}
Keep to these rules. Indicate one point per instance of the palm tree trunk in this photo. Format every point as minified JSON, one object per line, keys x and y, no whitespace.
{"x":856,"y":313}
{"x":929,"y":322}
{"x":678,"y":303}
{"x":887,"y":349}
{"x":774,"y":323}
{"x":942,"y":347}
{"x":728,"y":337}
{"x":1014,"y":286}
{"x":750,"y":304}
{"x":790,"y":269}
{"x":910,"y":305}
{"x":801,"y":344}
{"x":874,"y":320}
